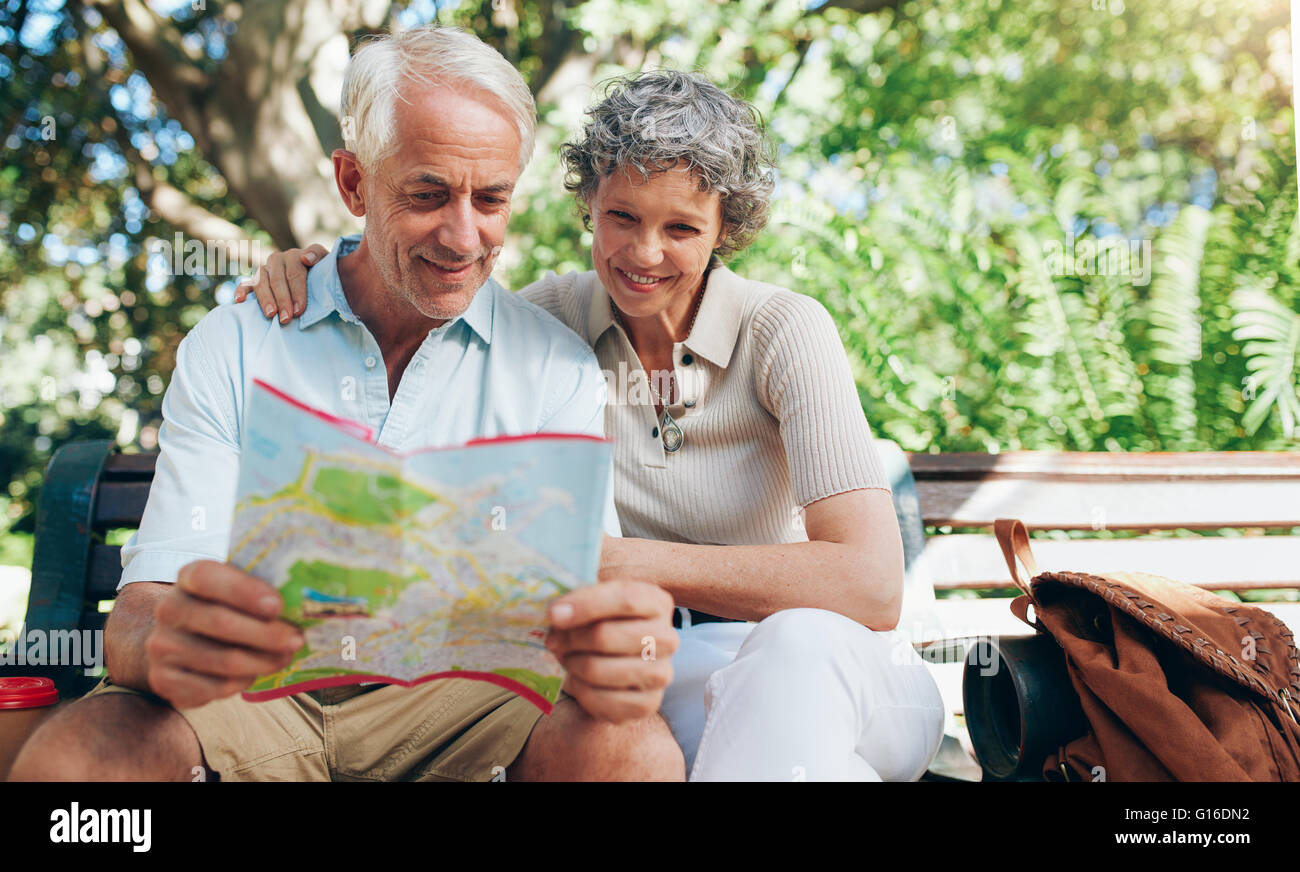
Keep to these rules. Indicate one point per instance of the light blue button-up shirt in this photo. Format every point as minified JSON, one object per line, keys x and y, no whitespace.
{"x":503,"y":367}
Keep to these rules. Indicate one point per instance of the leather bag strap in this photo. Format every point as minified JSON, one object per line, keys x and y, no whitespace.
{"x":1020,"y":608}
{"x":1013,"y":538}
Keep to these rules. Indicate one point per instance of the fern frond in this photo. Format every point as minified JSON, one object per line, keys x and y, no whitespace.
{"x":1173,"y":311}
{"x":1270,"y":333}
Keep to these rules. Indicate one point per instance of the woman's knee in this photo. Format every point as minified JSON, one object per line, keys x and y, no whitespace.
{"x":810,"y":639}
{"x":807,"y":630}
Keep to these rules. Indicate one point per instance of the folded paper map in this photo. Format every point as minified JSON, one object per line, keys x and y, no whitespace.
{"x":402,"y":568}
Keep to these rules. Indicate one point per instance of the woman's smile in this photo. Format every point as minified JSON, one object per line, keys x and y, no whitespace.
{"x":641,"y":283}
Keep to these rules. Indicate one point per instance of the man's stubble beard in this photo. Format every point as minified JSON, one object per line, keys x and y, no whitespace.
{"x":433,"y":299}
{"x":430,"y":298}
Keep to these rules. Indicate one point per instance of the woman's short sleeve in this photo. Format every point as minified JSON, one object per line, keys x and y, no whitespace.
{"x":803,"y":378}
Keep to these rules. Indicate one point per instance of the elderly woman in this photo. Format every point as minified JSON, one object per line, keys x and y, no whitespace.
{"x":746,"y":482}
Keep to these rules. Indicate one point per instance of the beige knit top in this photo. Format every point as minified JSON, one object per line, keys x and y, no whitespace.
{"x":767,"y":405}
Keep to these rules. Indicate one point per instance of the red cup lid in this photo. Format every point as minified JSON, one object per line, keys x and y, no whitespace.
{"x":27,"y":692}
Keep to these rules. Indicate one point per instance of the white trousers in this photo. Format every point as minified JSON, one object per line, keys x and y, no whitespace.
{"x":804,"y":695}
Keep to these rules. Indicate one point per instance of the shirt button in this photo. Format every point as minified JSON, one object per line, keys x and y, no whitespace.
{"x":370,"y":362}
{"x":654,"y":434}
{"x":687,"y":360}
{"x":690,"y":404}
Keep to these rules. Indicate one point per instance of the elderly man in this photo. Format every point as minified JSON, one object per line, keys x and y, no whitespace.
{"x":406,"y":331}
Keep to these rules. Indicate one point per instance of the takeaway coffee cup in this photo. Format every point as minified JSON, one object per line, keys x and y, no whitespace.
{"x":24,"y":703}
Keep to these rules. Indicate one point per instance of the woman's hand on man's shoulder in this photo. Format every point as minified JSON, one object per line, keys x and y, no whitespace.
{"x":281,"y":283}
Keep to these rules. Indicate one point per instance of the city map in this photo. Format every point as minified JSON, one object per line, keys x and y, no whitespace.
{"x":404,"y":568}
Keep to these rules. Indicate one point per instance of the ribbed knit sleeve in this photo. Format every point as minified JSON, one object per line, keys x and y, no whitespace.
{"x":803,"y":379}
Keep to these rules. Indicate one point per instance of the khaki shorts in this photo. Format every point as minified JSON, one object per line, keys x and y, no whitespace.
{"x":448,"y":729}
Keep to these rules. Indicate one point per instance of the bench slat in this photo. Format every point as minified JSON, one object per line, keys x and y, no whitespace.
{"x":1100,"y":465}
{"x":131,"y":465}
{"x":120,"y":503}
{"x":104,"y":572}
{"x":1113,"y":505}
{"x":1243,"y":563}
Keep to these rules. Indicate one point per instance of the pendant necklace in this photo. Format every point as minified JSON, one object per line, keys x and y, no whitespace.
{"x":669,"y":431}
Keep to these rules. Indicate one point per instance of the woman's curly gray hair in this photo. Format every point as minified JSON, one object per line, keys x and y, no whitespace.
{"x":651,"y":121}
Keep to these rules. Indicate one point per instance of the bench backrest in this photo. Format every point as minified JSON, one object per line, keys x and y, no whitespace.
{"x":88,"y":490}
{"x":1243,"y":494}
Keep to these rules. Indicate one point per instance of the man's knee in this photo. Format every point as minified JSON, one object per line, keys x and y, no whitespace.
{"x":110,"y":737}
{"x":570,"y":745}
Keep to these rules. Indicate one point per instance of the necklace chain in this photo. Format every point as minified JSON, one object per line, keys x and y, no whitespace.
{"x":668,"y":429}
{"x":618,"y":316}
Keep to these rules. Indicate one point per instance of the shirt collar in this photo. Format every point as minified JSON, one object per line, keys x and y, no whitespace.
{"x":717,"y":324}
{"x":600,"y":312}
{"x":325,"y":295}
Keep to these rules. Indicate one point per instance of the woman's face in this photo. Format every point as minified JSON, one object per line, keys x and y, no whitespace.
{"x":652,"y":239}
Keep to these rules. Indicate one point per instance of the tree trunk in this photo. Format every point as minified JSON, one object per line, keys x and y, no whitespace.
{"x":268,"y":120}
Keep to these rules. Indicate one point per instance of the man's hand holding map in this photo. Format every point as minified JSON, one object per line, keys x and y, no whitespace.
{"x":404,"y":568}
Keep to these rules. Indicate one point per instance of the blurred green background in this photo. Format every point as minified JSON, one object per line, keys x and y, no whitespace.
{"x":944,"y":168}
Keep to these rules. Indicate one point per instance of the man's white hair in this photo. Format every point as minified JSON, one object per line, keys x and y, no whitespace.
{"x":427,"y":55}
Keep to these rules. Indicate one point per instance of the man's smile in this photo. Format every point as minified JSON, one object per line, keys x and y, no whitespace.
{"x":449,"y":272}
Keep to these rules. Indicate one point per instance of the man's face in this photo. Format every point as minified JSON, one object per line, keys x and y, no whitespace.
{"x":436,"y":208}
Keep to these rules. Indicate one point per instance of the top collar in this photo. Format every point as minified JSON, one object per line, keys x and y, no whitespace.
{"x":717,"y":324}
{"x":325,"y":295}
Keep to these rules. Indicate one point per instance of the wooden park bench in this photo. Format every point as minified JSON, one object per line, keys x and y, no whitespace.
{"x":1251,"y":498}
{"x":1138,"y":511}
{"x":90,"y":489}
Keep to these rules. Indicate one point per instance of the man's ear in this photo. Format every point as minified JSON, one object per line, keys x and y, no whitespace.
{"x":348,"y":176}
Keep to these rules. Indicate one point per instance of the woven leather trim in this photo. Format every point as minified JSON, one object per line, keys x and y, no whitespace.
{"x":1126,"y":600}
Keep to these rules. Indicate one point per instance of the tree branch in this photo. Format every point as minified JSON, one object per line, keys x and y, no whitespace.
{"x":863,"y":6}
{"x":802,"y":47}
{"x":556,"y":41}
{"x":153,"y":40}
{"x":171,"y":203}
{"x":163,"y":198}
{"x":181,"y":211}
{"x":154,"y":43}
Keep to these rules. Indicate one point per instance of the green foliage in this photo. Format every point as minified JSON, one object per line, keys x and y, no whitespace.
{"x":87,"y":344}
{"x":946,"y":168}
{"x":16,"y":549}
{"x":1272,"y":335}
{"x":962,"y":336}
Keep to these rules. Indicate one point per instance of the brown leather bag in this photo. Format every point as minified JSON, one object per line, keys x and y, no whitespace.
{"x":1177,"y":684}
